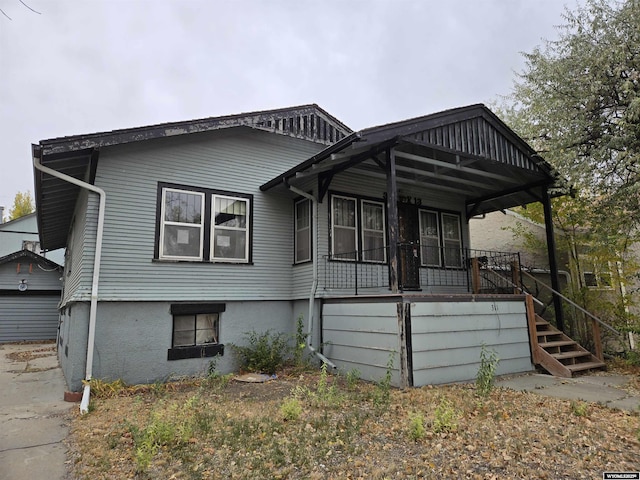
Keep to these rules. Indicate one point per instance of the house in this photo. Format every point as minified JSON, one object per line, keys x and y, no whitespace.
{"x":30,"y":285}
{"x":591,"y":274}
{"x":182,"y":237}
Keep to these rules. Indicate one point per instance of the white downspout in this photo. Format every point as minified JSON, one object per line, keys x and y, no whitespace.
{"x":84,"y":404}
{"x":314,"y":284}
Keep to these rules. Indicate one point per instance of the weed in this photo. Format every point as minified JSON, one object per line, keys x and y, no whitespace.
{"x":352,"y":377}
{"x":324,"y":395}
{"x":300,"y":340}
{"x":103,"y":389}
{"x":214,"y":380}
{"x":291,"y":409}
{"x":632,"y":357}
{"x":416,"y":426}
{"x":580,"y":409}
{"x":265,"y":352}
{"x":382,"y":392}
{"x":487,"y":372}
{"x":446,"y":417}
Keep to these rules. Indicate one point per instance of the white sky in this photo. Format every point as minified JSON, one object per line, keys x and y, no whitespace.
{"x":83,"y":66}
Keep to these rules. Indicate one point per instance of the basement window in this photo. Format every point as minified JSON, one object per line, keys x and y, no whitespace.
{"x":196,"y":331}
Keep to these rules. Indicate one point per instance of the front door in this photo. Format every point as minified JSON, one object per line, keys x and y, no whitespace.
{"x":408,"y":247}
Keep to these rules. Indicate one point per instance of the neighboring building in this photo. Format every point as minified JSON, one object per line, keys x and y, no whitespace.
{"x":22,"y":234}
{"x":216,"y":227}
{"x":30,"y":287}
{"x":30,"y":283}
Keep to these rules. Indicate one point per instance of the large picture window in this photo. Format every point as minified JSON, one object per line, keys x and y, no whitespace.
{"x":197,"y":224}
{"x":302,"y":239}
{"x":358,"y":229}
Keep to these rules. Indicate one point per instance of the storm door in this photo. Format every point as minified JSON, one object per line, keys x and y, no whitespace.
{"x":408,"y":247}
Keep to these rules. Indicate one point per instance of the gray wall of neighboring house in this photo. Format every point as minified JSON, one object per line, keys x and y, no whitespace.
{"x":133,"y":338}
{"x":14,"y":233}
{"x":33,"y":314}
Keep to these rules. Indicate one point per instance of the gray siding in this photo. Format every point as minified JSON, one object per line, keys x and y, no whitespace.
{"x":363,"y":337}
{"x":11,"y":237}
{"x":238,"y":162}
{"x":350,"y":184}
{"x":447,"y":338}
{"x":37,"y":278}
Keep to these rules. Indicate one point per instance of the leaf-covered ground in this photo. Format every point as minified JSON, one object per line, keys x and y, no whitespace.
{"x":314,"y":426}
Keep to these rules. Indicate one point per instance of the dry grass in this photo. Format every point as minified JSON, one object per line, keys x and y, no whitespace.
{"x":214,"y":429}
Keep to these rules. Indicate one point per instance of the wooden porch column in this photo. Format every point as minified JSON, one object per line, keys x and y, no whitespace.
{"x":392,"y":213}
{"x":553,"y":263}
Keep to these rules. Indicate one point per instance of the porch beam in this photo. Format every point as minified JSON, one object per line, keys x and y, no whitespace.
{"x":408,"y":181}
{"x":504,"y":193}
{"x":457,"y":167}
{"x":553,"y":262}
{"x":426,"y":173}
{"x":392,"y":213}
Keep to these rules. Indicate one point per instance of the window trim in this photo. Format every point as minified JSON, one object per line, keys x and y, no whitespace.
{"x":354,"y":228}
{"x":207,"y":238}
{"x":458,"y":219}
{"x":308,"y":237}
{"x":437,"y":236}
{"x":198,"y":350}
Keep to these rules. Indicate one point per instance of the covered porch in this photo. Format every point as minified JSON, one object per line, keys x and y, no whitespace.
{"x":392,"y":269}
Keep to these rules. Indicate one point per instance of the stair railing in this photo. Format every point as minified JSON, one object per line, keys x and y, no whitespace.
{"x":595,"y":321}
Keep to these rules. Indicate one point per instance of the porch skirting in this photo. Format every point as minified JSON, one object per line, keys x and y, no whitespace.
{"x":426,"y":339}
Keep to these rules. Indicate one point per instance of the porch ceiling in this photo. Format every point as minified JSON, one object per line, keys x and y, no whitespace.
{"x":467,"y":152}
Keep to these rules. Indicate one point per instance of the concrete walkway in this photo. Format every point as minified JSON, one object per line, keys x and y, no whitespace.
{"x":604,"y":388}
{"x":33,"y":414}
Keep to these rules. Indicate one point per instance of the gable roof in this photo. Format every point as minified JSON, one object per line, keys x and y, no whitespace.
{"x":467,"y":151}
{"x":13,"y":223}
{"x":77,"y":155}
{"x":34,"y":257}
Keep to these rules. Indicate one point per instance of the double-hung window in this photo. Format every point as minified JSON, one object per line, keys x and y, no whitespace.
{"x":302,"y":220}
{"x":440,"y":239}
{"x":344,"y":230}
{"x":373,"y":231}
{"x":197,"y":224}
{"x":182,"y":224}
{"x":430,"y":238}
{"x":230,"y":229}
{"x":358,"y":230}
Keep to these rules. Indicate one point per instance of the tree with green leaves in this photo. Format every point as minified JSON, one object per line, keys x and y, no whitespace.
{"x":577,"y":102}
{"x":22,"y":205}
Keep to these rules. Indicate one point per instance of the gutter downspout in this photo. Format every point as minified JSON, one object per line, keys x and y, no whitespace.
{"x":314,"y":285}
{"x":84,"y":404}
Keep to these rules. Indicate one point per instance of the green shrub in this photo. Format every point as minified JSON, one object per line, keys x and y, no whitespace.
{"x":580,"y":409}
{"x":264,"y":352}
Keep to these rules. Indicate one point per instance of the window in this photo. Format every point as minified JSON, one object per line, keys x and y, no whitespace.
{"x":440,"y":239}
{"x":596,"y":275}
{"x":182,"y":228}
{"x":197,"y":224}
{"x":302,"y":238}
{"x":230,"y":229}
{"x":344,"y":233}
{"x":429,"y":238}
{"x":196,"y":331}
{"x":452,"y":240}
{"x":31,"y":245}
{"x":373,"y":232}
{"x":358,"y":230}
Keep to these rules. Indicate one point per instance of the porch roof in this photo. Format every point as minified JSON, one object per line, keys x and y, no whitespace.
{"x":465,"y":151}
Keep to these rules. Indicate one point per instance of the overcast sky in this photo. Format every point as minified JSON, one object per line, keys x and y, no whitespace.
{"x":87,"y":66}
